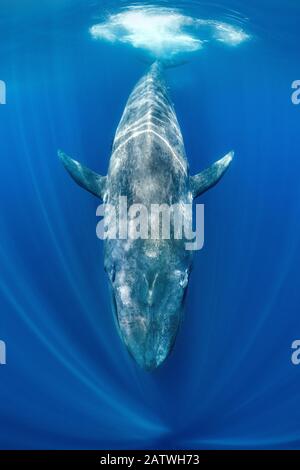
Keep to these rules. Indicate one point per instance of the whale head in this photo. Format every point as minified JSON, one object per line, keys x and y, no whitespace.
{"x":148,"y":284}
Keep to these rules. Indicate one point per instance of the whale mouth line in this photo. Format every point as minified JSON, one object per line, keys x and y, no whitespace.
{"x":165,"y":32}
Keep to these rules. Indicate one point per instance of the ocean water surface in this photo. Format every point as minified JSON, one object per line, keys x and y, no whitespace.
{"x":69,"y":66}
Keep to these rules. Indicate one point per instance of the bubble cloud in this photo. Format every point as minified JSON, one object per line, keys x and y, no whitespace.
{"x":165,"y":33}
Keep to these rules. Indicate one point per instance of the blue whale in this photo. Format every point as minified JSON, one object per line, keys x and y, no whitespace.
{"x":148,"y":165}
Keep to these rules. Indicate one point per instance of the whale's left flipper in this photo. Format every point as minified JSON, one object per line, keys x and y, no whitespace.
{"x":209,"y":177}
{"x":86,"y":178}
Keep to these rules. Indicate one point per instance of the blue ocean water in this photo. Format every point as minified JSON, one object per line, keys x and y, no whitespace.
{"x":68,"y":381}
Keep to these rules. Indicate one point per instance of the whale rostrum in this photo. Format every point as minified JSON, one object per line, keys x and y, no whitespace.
{"x":148,"y":165}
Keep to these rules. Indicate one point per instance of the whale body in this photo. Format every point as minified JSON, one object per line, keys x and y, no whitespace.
{"x":148,"y":165}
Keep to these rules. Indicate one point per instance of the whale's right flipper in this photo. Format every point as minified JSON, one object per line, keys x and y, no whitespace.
{"x":208,"y":178}
{"x":86,"y":178}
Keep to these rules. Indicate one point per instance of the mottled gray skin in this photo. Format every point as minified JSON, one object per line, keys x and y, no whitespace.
{"x":148,"y":277}
{"x":148,"y":165}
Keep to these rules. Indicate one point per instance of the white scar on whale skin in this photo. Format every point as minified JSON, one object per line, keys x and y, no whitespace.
{"x":148,"y":123}
{"x":148,"y":112}
{"x":165,"y":32}
{"x":151,"y":131}
{"x":147,"y":119}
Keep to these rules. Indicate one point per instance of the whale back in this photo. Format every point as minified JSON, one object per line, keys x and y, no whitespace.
{"x":148,"y":158}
